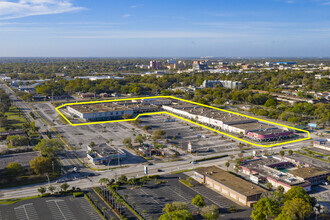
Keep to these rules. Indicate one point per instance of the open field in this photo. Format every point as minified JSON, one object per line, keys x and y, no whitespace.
{"x":15,"y":119}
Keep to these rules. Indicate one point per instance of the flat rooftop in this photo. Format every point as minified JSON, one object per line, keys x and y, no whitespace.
{"x":105,"y":150}
{"x":309,"y":172}
{"x":253,"y":126}
{"x":95,"y":108}
{"x":233,"y":182}
{"x":265,"y":166}
{"x":208,"y":112}
{"x":272,"y":131}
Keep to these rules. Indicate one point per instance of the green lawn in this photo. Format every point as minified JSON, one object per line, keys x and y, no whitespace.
{"x":15,"y":118}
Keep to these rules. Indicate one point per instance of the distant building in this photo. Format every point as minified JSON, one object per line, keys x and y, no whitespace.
{"x":154,"y":65}
{"x":223,"y":83}
{"x":234,"y":188}
{"x":286,"y":63}
{"x":4,"y":135}
{"x":200,"y":65}
{"x":87,"y":95}
{"x":323,"y":144}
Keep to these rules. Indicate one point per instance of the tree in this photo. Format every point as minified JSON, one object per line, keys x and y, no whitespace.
{"x":227,"y":164}
{"x":41,"y":165}
{"x":297,"y":192}
{"x":281,"y":153}
{"x":104,"y":209}
{"x":14,"y":169}
{"x":146,"y":127}
{"x":132,"y":181}
{"x":127,"y":116}
{"x":65,"y":187}
{"x":265,"y":208}
{"x":271,"y":102}
{"x":210,"y":212}
{"x":176,"y":210}
{"x":33,"y":126}
{"x":139,"y":139}
{"x":127,"y":142}
{"x":92,"y":144}
{"x":198,"y":201}
{"x":269,"y":186}
{"x":290,"y":152}
{"x":157,"y":134}
{"x":49,"y":147}
{"x":51,"y":188}
{"x":280,"y":189}
{"x":232,"y":208}
{"x":104,"y":181}
{"x":296,"y":208}
{"x":42,"y":190}
{"x":122,"y":179}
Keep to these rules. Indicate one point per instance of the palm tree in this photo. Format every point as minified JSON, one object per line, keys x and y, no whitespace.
{"x":111,"y":141}
{"x":227,"y":164}
{"x":144,"y":212}
{"x":104,"y":181}
{"x":104,"y":209}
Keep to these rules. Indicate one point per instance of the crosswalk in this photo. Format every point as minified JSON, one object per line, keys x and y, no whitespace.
{"x":60,"y":210}
{"x":26,"y":212}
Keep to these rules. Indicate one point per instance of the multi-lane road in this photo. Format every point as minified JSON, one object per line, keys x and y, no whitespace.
{"x":69,"y":160}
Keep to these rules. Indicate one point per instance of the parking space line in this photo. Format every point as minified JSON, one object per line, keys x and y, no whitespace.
{"x":26,"y":211}
{"x":60,"y":210}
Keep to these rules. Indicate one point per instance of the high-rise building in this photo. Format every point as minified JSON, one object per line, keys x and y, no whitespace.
{"x":154,"y":65}
{"x":200,"y":65}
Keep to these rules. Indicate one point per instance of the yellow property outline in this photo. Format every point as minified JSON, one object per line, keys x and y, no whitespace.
{"x":172,"y":97}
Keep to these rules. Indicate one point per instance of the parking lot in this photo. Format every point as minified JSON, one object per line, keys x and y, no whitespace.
{"x":180,"y":133}
{"x":57,"y":208}
{"x":310,"y":160}
{"x":47,"y":111}
{"x":153,"y":197}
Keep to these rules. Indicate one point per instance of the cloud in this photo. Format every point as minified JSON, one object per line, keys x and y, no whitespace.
{"x":136,"y":6}
{"x":126,"y":15}
{"x":25,"y":8}
{"x":148,"y":34}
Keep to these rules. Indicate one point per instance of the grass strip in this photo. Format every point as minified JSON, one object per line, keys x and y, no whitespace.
{"x":96,"y":190}
{"x":127,"y":205}
{"x":211,"y":158}
{"x":97,"y":210}
{"x":12,"y":201}
{"x":183,"y":171}
{"x":185,"y":182}
{"x":307,"y":155}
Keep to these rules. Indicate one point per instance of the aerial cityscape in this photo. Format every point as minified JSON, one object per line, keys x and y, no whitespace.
{"x":169,"y":110}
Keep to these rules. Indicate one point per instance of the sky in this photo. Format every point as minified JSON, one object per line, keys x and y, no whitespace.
{"x":164,"y":28}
